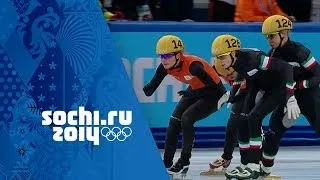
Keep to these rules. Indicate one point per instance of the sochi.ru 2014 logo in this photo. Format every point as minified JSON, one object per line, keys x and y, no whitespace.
{"x":83,"y":125}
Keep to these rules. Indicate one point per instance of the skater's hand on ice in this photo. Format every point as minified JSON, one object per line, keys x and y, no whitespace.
{"x":293,"y":109}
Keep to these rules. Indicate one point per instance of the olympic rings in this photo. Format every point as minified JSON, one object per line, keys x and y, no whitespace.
{"x":116,"y":133}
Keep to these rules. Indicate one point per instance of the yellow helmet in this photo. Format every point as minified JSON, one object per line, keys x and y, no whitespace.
{"x":276,"y":23}
{"x":221,"y":70}
{"x":169,"y":44}
{"x":224,"y":45}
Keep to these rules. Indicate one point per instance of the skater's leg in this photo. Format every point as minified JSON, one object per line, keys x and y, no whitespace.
{"x":197,"y":111}
{"x":244,"y":146}
{"x":244,"y":140}
{"x":174,"y":130}
{"x":244,"y":136}
{"x":231,"y":136}
{"x":230,"y":141}
{"x":272,"y":139}
{"x":266,"y":105}
{"x":229,"y":145}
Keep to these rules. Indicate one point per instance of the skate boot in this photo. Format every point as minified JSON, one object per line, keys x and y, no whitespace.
{"x":252,"y":171}
{"x":233,"y":173}
{"x":265,"y":172}
{"x":180,"y":167}
{"x":217,"y":167}
{"x":167,"y":164}
{"x":220,"y":162}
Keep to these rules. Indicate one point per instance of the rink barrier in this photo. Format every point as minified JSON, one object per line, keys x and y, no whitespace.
{"x":201,"y":27}
{"x":212,"y":137}
{"x":137,"y":40}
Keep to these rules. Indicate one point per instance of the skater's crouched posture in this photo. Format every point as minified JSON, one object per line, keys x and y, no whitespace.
{"x":205,"y":95}
{"x":261,"y":72}
{"x":235,"y":123}
{"x":306,"y":72}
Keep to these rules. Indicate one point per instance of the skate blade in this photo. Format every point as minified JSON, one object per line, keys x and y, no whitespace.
{"x":212,"y":172}
{"x":179,"y":177}
{"x":272,"y":177}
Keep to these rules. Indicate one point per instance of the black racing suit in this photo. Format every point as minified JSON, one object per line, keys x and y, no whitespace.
{"x":191,"y":108}
{"x":307,"y":75}
{"x":237,"y":126}
{"x":275,"y":78}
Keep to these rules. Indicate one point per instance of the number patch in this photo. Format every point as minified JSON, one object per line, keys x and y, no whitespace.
{"x":284,"y":23}
{"x":176,"y":45}
{"x":233,"y":43}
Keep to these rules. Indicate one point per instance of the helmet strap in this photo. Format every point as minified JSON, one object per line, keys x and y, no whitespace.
{"x":177,"y":60}
{"x":281,"y":39}
{"x":232,"y":61}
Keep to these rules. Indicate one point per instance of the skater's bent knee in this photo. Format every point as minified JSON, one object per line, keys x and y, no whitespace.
{"x":175,"y":121}
{"x":254,"y":117}
{"x":186,"y":121}
{"x":273,"y":135}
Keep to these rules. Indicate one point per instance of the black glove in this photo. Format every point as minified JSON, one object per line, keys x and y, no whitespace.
{"x":148,"y":89}
{"x":188,"y":93}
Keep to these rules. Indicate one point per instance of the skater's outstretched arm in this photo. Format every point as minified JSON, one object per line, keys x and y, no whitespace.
{"x":155,"y":81}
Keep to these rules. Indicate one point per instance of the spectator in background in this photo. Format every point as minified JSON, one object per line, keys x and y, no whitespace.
{"x":300,"y":9}
{"x":176,"y":10}
{"x":257,"y":10}
{"x":133,"y":10}
{"x":222,"y":10}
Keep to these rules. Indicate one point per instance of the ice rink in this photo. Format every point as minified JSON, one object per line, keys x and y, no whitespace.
{"x":292,"y":163}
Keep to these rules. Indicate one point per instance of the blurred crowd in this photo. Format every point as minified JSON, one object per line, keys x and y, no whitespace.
{"x":211,"y":10}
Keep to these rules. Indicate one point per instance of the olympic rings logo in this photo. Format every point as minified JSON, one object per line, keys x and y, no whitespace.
{"x":116,"y":133}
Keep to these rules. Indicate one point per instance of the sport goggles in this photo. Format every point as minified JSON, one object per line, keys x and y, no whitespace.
{"x":166,"y":56}
{"x":271,"y":36}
